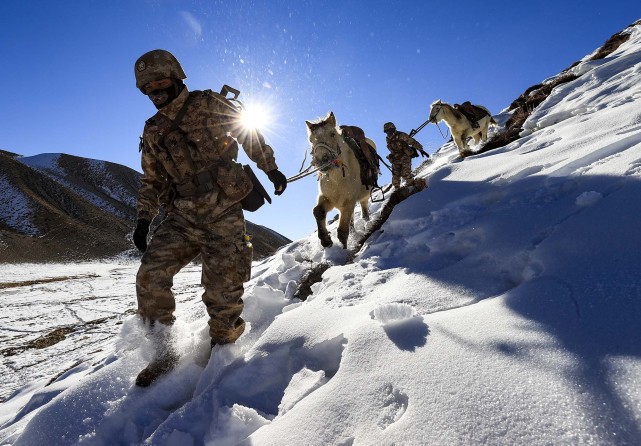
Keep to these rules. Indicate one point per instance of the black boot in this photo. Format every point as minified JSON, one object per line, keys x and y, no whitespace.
{"x":160,"y":366}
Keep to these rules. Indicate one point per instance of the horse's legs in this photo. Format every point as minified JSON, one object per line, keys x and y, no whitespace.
{"x":343,"y":224}
{"x":484,"y":132}
{"x":365,"y":208}
{"x":320,"y":213}
{"x":477,"y":138}
{"x":462,"y":146}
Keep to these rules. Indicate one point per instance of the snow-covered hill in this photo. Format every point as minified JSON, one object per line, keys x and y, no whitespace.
{"x":107,"y":185}
{"x":59,"y":207}
{"x":501,"y":305}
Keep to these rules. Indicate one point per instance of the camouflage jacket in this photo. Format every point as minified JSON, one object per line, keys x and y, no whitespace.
{"x":400,"y":145}
{"x":208,"y":133}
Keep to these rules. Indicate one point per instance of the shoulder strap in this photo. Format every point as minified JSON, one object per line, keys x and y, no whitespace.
{"x":174,"y":126}
{"x":179,"y":116}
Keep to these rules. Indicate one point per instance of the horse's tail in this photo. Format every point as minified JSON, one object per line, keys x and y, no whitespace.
{"x":493,"y":122}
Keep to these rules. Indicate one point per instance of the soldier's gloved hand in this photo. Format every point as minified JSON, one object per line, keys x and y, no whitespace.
{"x":140,"y":234}
{"x":279,"y":180}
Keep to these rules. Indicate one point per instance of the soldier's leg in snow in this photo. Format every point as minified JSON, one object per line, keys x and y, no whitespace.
{"x":406,"y":170}
{"x":227,"y":258}
{"x":396,"y":174}
{"x":170,"y":249}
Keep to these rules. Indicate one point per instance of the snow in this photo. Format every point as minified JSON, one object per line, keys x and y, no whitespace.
{"x":44,"y":161}
{"x":47,"y":163}
{"x":16,"y":212}
{"x":500,"y":305}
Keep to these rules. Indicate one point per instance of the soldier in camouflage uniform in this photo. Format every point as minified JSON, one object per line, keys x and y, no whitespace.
{"x":189,"y":148}
{"x":402,"y":148}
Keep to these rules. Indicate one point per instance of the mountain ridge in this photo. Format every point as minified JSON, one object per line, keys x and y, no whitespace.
{"x":57,"y":207}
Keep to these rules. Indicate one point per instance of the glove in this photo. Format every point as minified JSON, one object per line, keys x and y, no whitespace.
{"x":279,"y":180}
{"x":140,"y":234}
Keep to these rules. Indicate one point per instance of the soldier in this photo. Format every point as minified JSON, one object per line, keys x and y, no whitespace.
{"x":402,"y":148}
{"x":189,"y":148}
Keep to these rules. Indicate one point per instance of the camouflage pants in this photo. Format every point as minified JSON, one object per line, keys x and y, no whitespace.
{"x":401,"y":168}
{"x":226,"y":265}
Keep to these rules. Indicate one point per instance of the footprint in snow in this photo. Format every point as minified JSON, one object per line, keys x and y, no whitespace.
{"x":394,"y":406}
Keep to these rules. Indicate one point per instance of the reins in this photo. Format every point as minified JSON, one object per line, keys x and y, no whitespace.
{"x":441,"y":132}
{"x":306,"y":172}
{"x":302,"y":174}
{"x":440,"y":106}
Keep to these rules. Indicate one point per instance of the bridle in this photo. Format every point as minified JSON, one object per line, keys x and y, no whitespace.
{"x":433,"y":118}
{"x":313,"y":168}
{"x":334,"y":153}
{"x":434,"y":115}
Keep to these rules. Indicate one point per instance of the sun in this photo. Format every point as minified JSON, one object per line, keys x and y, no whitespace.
{"x":255,"y":117}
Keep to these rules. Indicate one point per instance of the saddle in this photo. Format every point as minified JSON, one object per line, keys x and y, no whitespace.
{"x":472,"y":112}
{"x":366,"y":154}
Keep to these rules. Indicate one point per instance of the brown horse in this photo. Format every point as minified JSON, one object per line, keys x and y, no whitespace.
{"x":340,"y":183}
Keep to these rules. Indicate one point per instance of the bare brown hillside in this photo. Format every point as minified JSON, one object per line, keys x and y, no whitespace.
{"x":59,"y":208}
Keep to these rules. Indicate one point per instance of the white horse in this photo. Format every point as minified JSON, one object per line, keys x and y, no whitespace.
{"x":460,"y":126}
{"x":340,"y":183}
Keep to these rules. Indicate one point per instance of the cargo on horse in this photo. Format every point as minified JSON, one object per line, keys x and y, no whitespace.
{"x":460,"y":126}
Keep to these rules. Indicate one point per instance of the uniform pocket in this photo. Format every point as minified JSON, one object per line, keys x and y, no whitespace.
{"x":233,"y":181}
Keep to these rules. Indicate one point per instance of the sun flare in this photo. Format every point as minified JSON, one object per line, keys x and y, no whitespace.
{"x":255,"y":116}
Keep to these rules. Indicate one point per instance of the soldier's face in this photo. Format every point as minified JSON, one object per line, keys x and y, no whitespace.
{"x":156,"y":85}
{"x":159,"y":91}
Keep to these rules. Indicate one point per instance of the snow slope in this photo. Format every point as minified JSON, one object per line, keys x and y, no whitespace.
{"x":499,"y":306}
{"x":97,"y":176}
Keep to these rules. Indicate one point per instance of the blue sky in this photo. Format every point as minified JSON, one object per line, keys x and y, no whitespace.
{"x":68,"y":84}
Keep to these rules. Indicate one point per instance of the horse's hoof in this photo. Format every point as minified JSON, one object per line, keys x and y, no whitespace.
{"x":326,"y":243}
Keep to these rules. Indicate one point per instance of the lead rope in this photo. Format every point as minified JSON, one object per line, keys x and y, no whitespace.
{"x":302,"y":173}
{"x":441,"y":132}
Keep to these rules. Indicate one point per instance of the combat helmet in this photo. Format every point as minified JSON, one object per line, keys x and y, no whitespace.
{"x":156,"y":65}
{"x":389,"y":126}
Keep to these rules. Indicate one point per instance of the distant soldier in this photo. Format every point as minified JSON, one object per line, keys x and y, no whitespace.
{"x":402,"y":148}
{"x":189,"y":149}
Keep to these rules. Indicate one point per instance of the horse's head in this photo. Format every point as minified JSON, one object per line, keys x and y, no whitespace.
{"x":325,"y":139}
{"x":435,"y":111}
